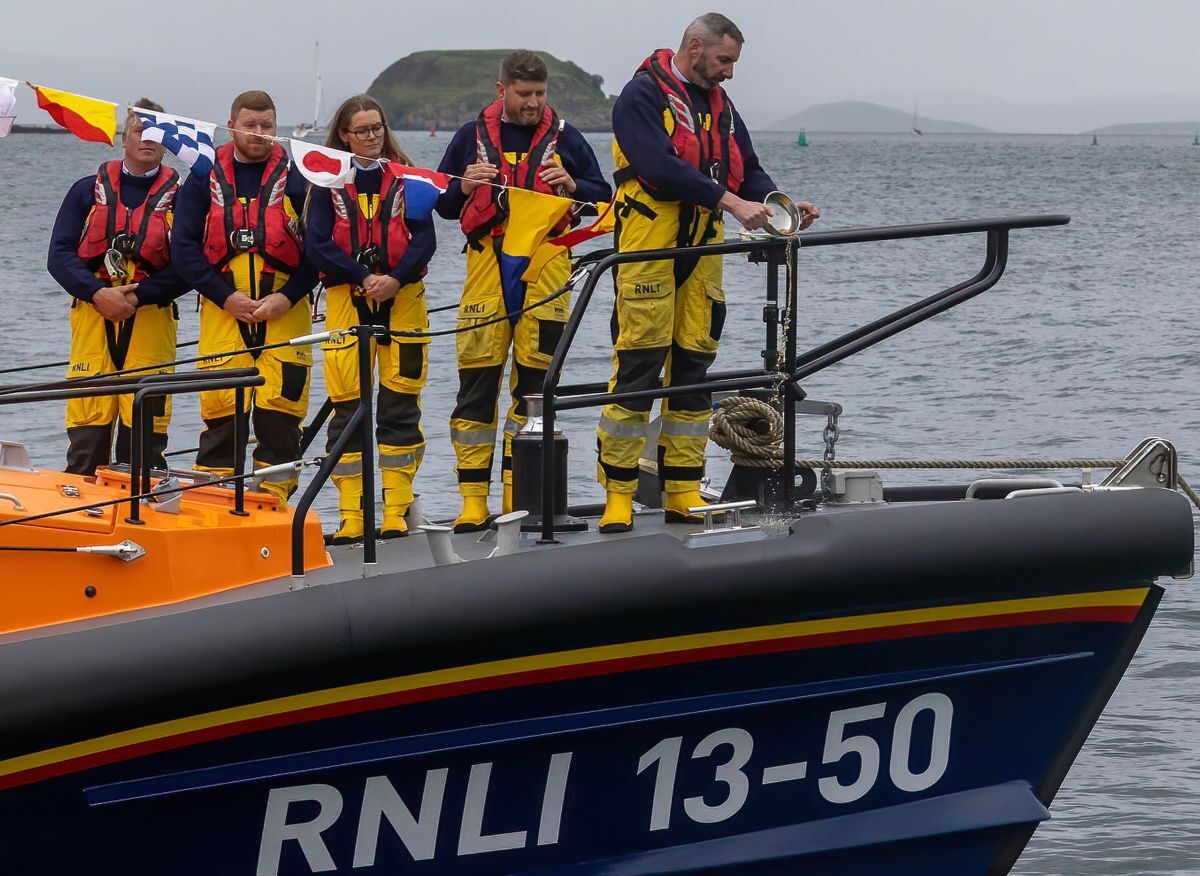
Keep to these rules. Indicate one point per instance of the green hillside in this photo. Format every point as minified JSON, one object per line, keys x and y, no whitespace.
{"x":449,"y":88}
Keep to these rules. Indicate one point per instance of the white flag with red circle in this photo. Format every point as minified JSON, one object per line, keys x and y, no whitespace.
{"x":322,"y":166}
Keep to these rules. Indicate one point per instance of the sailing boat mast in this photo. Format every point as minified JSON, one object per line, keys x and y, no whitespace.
{"x":305,"y":129}
{"x":316,"y":123}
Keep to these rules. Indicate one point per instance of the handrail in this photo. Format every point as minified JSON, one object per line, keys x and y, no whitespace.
{"x":310,"y":493}
{"x":122,"y":386}
{"x":835,"y":351}
{"x":876,"y":234}
{"x":140,"y":427}
{"x":361,"y":423}
{"x":796,"y":367}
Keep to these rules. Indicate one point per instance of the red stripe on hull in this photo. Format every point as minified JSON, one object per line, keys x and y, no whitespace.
{"x":1100,"y":614}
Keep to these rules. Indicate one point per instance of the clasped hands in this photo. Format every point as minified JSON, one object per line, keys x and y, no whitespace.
{"x":552,"y":174}
{"x":246,"y":309}
{"x":116,"y":303}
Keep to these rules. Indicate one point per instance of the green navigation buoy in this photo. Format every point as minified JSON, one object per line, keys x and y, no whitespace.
{"x":1095,"y":141}
{"x":1196,"y":139}
{"x":801,"y":140}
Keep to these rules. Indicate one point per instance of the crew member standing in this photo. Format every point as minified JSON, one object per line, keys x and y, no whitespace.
{"x":110,"y":251}
{"x":237,"y":241}
{"x":683,"y":156}
{"x":372,"y":257}
{"x":518,"y":140}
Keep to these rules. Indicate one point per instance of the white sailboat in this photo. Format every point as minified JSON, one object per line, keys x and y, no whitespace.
{"x":304,"y":129}
{"x":917,"y":132}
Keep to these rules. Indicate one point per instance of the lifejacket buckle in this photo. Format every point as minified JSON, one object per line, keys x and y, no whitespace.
{"x":241,"y":239}
{"x":115,"y":264}
{"x":714,"y":171}
{"x":369,"y":257}
{"x":123,"y":242}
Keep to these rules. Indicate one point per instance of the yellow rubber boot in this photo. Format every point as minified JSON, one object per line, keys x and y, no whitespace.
{"x":618,"y":513}
{"x":677,"y":504}
{"x":475,"y":515}
{"x":350,"y":493}
{"x":397,"y":496}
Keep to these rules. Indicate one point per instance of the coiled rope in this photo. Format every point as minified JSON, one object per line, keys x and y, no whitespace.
{"x":738,"y":426}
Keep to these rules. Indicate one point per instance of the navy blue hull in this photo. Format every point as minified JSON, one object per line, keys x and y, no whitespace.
{"x":732,"y":763}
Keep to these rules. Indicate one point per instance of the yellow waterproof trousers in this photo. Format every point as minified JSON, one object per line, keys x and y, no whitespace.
{"x":402,"y":367}
{"x":99,"y":347}
{"x":483,"y":353}
{"x":668,"y":316}
{"x":278,"y":406}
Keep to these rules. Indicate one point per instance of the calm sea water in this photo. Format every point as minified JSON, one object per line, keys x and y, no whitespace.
{"x":1088,"y":344}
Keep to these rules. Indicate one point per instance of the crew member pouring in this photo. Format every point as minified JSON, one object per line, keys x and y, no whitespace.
{"x":683,"y":158}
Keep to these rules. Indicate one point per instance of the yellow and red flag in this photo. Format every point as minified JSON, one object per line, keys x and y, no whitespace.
{"x":85,"y":117}
{"x":531,"y":216}
{"x":605,"y":223}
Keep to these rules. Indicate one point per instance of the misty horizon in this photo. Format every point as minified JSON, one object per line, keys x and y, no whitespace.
{"x":1064,"y":66}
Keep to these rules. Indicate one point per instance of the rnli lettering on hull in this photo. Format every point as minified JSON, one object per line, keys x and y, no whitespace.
{"x":418,"y":832}
{"x":904,"y":750}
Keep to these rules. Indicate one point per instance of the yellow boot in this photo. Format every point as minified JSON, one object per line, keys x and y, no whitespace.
{"x":350,"y":493}
{"x":397,"y":496}
{"x":618,"y":513}
{"x":677,"y":504}
{"x":475,"y":515}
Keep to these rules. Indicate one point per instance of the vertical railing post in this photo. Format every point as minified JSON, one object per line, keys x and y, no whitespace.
{"x":789,"y":389}
{"x":135,"y":459}
{"x":770,"y":354}
{"x":365,"y":333}
{"x":146,"y":436}
{"x":239,"y":453}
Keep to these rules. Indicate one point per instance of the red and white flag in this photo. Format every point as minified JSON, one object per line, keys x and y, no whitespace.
{"x":322,"y":166}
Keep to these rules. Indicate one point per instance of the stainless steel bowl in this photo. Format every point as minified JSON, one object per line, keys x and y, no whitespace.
{"x":785,"y":215}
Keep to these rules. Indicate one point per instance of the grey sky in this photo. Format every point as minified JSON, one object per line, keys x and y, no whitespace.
{"x":1034,"y":65}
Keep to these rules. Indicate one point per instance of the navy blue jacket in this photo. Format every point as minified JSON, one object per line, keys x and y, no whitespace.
{"x":65,"y":265}
{"x":576,"y":153}
{"x":191,"y":218}
{"x":335,"y":263}
{"x":638,"y":129}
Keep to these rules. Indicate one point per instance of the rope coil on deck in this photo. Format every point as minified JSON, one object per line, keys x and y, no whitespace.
{"x":748,"y":446}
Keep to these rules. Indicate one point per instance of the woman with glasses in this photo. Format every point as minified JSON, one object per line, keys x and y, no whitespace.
{"x":372,"y":258}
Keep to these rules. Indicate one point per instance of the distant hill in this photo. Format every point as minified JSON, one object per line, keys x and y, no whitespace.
{"x":449,"y":88}
{"x":1185,"y":129}
{"x":858,"y":116}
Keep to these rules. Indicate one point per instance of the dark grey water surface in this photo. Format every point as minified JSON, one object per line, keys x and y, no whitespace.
{"x":1088,"y":344}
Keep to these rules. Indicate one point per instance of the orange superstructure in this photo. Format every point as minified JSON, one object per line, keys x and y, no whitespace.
{"x":195,"y":549}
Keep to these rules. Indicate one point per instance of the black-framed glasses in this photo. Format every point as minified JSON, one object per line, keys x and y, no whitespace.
{"x":367,"y":133}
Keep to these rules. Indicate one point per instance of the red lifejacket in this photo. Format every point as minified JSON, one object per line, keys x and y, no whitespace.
{"x":276,"y":238}
{"x":714,"y":152}
{"x":353,"y":232}
{"x":486,"y":208}
{"x":142,"y":234}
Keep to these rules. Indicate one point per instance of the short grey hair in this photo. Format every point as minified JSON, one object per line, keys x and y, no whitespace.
{"x":711,"y":28}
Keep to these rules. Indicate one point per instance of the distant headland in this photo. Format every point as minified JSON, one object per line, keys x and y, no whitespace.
{"x":448,"y":88}
{"x":860,"y":116}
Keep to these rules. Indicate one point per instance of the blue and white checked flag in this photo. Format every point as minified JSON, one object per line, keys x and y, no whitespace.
{"x":190,"y":140}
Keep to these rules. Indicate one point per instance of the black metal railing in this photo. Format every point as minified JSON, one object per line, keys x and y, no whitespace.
{"x":777,"y":253}
{"x":362,"y":423}
{"x":142,"y":421}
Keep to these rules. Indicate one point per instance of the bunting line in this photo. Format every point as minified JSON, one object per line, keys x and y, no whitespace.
{"x":88,"y":126}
